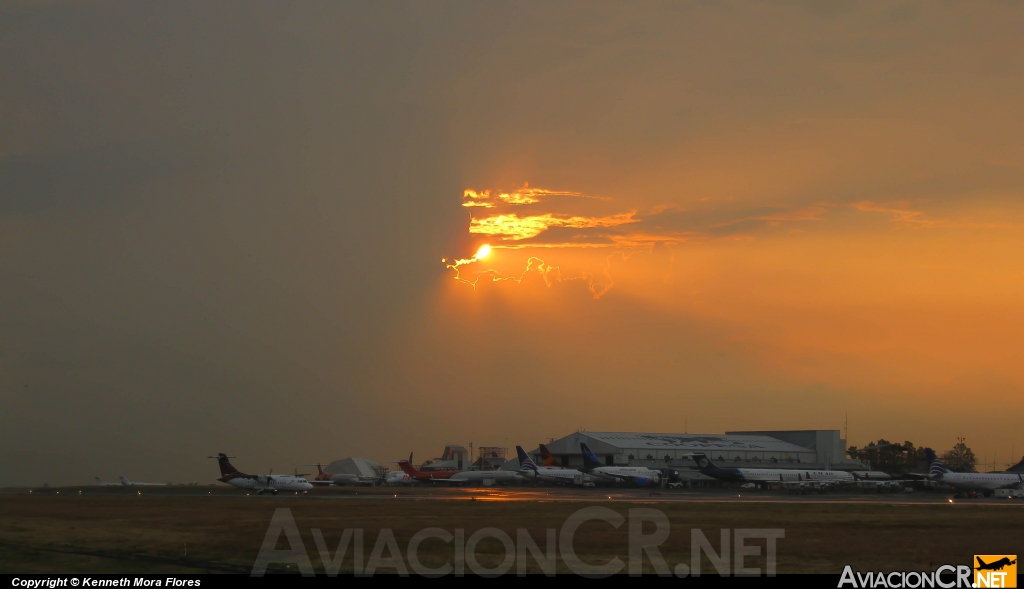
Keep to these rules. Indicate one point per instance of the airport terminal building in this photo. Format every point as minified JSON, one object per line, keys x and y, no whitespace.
{"x":796,"y":449}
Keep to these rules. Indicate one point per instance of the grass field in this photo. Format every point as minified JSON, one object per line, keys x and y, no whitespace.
{"x":220,"y":530}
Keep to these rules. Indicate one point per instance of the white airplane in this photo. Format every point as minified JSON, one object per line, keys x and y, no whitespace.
{"x":872,"y":475}
{"x":103,"y":483}
{"x":260,"y":483}
{"x":127,"y":483}
{"x":484,"y":477}
{"x":529,"y":470}
{"x":341,"y":479}
{"x":785,"y":476}
{"x":986,"y":482}
{"x":875,"y":480}
{"x":457,"y":477}
{"x":640,"y":475}
{"x":397,"y":477}
{"x":891,"y":486}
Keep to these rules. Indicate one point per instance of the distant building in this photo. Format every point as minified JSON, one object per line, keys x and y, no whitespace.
{"x":800,"y":449}
{"x":826,"y":444}
{"x":362,"y":467}
{"x":455,"y":457}
{"x":491,"y":457}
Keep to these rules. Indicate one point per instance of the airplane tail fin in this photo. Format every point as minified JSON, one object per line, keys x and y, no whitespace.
{"x":408,"y":468}
{"x":124,"y":480}
{"x":548,"y":459}
{"x":703,"y":462}
{"x":935,"y":466}
{"x":589,"y":458}
{"x":1019,"y":467}
{"x":981,"y":563}
{"x":225,"y":465}
{"x":525,"y":463}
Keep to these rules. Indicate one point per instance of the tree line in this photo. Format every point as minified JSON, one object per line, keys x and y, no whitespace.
{"x":894,"y":457}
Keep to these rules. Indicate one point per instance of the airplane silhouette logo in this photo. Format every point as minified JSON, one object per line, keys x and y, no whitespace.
{"x":995,"y":570}
{"x":994,"y":566}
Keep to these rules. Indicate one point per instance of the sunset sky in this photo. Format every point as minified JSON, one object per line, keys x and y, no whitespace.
{"x":222,"y":227}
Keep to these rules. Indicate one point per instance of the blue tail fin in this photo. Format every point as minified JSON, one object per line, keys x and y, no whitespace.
{"x":524,"y":460}
{"x":1019,"y":467}
{"x":703,"y":462}
{"x":589,"y":458}
{"x":935,"y":466}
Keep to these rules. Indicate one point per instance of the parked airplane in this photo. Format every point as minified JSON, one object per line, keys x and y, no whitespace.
{"x":324,"y":479}
{"x":457,"y":477}
{"x":640,"y":475}
{"x":867,"y":483}
{"x":429,"y":476}
{"x":872,"y":475}
{"x":768,"y":475}
{"x":986,"y":482}
{"x":259,"y":482}
{"x":547,"y":458}
{"x":485,"y":477}
{"x":562,"y":476}
{"x":1019,"y":467}
{"x":127,"y":483}
{"x":103,"y":483}
{"x":397,"y":477}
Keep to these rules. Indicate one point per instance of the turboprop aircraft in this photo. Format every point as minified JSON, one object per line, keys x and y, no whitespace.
{"x":261,"y":483}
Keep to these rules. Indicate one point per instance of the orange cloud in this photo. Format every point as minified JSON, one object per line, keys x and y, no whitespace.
{"x":902,"y":213}
{"x":521,"y":196}
{"x":472,"y":198}
{"x":513,"y":227}
{"x":531,"y":218}
{"x":597,"y":284}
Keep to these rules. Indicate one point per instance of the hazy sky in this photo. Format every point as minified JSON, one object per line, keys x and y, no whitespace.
{"x":222,"y":225}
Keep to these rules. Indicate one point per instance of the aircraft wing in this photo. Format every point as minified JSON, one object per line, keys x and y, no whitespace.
{"x":447,"y":481}
{"x":633,"y":478}
{"x":320,"y":483}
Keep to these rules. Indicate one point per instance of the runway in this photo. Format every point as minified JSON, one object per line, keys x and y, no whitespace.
{"x":533,"y":494}
{"x":220,"y":528}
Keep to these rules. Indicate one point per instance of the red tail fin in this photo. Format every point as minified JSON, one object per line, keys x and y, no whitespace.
{"x":408,"y":468}
{"x":225,"y":466}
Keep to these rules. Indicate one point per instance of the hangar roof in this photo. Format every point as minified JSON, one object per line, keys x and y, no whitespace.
{"x":358,"y":466}
{"x":733,"y":442}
